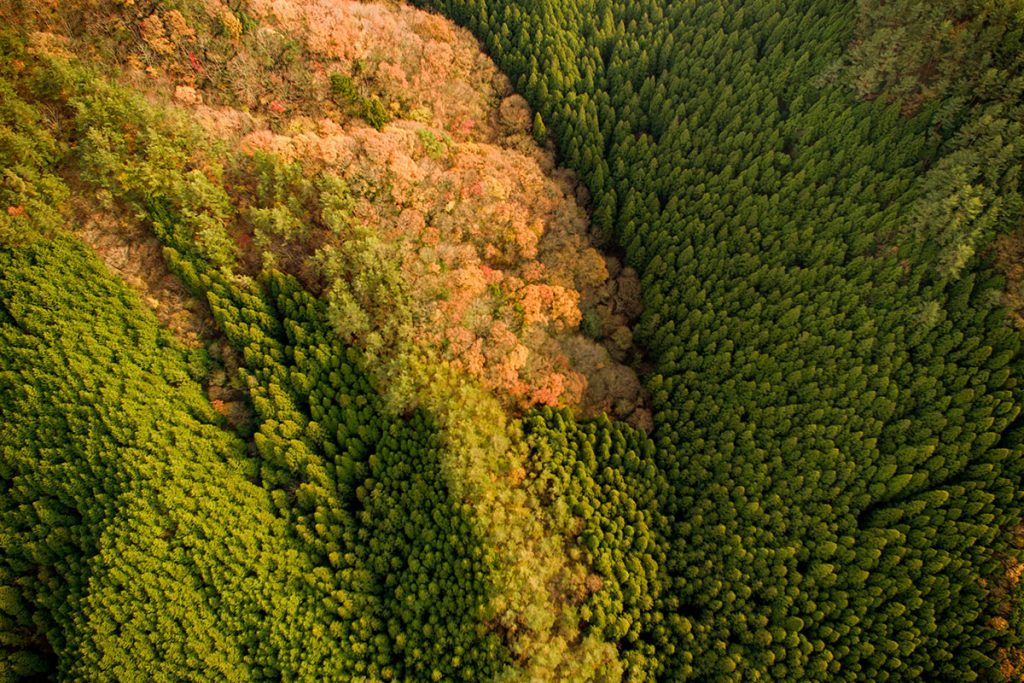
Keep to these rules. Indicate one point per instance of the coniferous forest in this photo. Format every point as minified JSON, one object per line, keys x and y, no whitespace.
{"x":480,"y":340}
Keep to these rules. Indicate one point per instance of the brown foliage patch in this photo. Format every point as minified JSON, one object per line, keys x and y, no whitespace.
{"x":1005,"y":591}
{"x":492,"y":245}
{"x":135,"y":255}
{"x":127,"y":247}
{"x":1009,"y":250}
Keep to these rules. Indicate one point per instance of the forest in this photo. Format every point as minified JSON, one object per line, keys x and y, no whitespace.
{"x":495,"y":341}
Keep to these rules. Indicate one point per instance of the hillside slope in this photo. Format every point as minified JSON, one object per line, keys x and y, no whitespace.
{"x":331,"y":432}
{"x":416,"y":530}
{"x":835,"y":394}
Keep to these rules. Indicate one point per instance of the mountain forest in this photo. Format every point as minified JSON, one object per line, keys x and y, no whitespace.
{"x":492,"y":340}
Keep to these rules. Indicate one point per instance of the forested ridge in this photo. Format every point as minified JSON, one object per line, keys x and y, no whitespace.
{"x":146,"y":541}
{"x":817,"y":198}
{"x":399,"y":531}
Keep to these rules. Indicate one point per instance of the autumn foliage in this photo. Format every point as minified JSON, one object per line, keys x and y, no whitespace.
{"x":438,"y":159}
{"x":492,"y":248}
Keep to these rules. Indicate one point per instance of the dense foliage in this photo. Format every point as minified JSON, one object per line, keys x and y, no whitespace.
{"x":834,"y":415}
{"x":121,"y":489}
{"x":965,"y":57}
{"x":600,"y":482}
{"x":808,"y":191}
{"x":144,"y":540}
{"x":383,"y":545}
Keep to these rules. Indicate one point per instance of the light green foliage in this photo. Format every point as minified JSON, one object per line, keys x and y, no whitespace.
{"x":374,"y":112}
{"x":368,"y":288}
{"x":435,"y":148}
{"x":369,"y":108}
{"x":31,"y":196}
{"x":540,"y":131}
{"x":277,"y":221}
{"x":131,"y":524}
{"x":151,"y":543}
{"x":287,"y":205}
{"x":343,"y":89}
{"x":336,"y":204}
